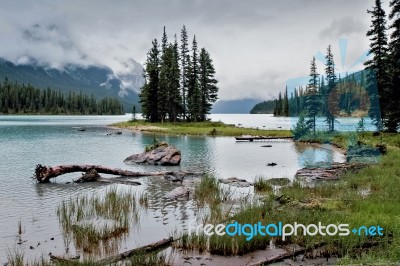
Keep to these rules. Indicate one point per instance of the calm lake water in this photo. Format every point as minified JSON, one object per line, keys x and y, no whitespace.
{"x":26,"y":141}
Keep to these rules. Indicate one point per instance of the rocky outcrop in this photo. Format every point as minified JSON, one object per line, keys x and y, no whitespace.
{"x":332,"y":172}
{"x":162,"y":155}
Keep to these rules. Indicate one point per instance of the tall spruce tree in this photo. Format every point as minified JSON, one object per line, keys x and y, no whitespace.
{"x":174,"y":94}
{"x":312,"y":97}
{"x":330,"y":90}
{"x":286,"y":103}
{"x":278,"y":106}
{"x":164,"y":78}
{"x":394,"y":51}
{"x":149,"y":91}
{"x":378,"y":84}
{"x":294,"y":110}
{"x":208,"y":84}
{"x":184,"y":56}
{"x":193,"y":93}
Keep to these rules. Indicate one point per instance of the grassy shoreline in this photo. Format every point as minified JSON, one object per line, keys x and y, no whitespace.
{"x":366,"y":198}
{"x":208,"y":128}
{"x":369,"y":197}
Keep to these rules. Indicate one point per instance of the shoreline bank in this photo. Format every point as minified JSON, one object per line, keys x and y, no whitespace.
{"x":208,"y":128}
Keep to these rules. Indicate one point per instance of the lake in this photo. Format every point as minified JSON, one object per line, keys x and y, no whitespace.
{"x":26,"y":141}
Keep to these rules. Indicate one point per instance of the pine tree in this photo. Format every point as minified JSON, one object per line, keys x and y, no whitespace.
{"x":193,"y":93}
{"x":286,"y":103}
{"x":323,"y":96}
{"x":164,"y":41}
{"x":302,"y":128}
{"x":208,"y":83}
{"x":278,"y":108}
{"x":377,"y":68}
{"x":394,"y":51}
{"x":312,"y":96}
{"x":174,"y":95}
{"x":163,"y":79}
{"x":184,"y":56}
{"x":149,"y":91}
{"x":330,"y":90}
{"x":134,"y":113}
{"x":295,"y":109}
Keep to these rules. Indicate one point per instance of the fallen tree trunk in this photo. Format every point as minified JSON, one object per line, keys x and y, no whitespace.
{"x":141,"y":250}
{"x":63,"y":259}
{"x":43,"y":174}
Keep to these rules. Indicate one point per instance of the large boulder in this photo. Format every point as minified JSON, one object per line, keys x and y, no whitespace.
{"x":162,"y":155}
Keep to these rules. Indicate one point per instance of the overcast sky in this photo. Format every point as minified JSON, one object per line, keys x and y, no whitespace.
{"x":256,"y":45}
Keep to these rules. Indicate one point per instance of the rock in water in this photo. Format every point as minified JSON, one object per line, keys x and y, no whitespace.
{"x":178,"y":193}
{"x":234,"y":181}
{"x":163,"y":155}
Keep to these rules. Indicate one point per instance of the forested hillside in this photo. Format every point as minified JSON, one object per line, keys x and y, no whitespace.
{"x":97,"y":80}
{"x":25,"y":99}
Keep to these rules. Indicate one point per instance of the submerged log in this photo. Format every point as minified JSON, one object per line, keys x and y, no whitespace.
{"x":64,"y":259}
{"x":141,"y":250}
{"x":291,"y":252}
{"x":43,"y":174}
{"x":114,"y":181}
{"x":93,"y":176}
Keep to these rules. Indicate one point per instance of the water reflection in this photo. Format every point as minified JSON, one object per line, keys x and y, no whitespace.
{"x":157,"y":189}
{"x":317,"y":155}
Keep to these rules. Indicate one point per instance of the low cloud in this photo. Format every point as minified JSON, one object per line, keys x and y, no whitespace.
{"x":343,"y":27}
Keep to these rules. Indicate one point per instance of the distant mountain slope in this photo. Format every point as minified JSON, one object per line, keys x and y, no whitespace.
{"x":234,"y":106}
{"x":96,"y":80}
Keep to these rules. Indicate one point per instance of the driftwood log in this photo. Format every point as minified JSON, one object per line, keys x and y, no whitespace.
{"x":115,"y":258}
{"x":63,"y":259}
{"x":141,"y":250}
{"x":43,"y":174}
{"x":280,"y":257}
{"x":293,"y":252}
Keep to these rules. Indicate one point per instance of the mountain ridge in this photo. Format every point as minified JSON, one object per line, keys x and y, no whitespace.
{"x":101,"y":81}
